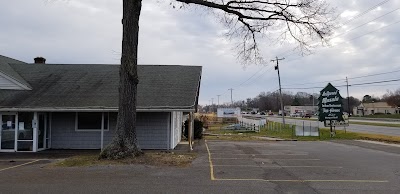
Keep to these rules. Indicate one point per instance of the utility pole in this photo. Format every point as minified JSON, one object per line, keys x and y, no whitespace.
{"x":231,"y":96}
{"x":212,"y":104}
{"x":218,"y":100}
{"x":280,"y":89}
{"x":348,"y":98}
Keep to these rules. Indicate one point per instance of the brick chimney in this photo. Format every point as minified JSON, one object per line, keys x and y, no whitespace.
{"x":40,"y":60}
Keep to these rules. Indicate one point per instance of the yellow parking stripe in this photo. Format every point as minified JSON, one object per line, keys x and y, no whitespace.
{"x":18,"y":165}
{"x":209,"y":160}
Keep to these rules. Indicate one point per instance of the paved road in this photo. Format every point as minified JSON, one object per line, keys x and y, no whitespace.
{"x":393,"y":131}
{"x":228,"y":167}
{"x":374,"y":121}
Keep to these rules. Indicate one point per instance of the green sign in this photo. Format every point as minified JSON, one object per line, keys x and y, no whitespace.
{"x":330,"y":104}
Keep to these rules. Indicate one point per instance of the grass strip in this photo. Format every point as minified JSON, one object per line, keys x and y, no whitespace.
{"x":288,"y":133}
{"x":149,"y":158}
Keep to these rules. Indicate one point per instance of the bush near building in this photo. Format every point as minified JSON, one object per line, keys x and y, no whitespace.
{"x":198,"y":129}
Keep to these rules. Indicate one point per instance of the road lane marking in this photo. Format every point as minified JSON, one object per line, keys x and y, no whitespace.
{"x":18,"y":165}
{"x":211,"y":165}
{"x":379,"y":143}
{"x":294,"y":180}
{"x":261,"y":166}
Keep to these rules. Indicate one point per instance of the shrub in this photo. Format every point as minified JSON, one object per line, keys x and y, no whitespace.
{"x":198,"y":129}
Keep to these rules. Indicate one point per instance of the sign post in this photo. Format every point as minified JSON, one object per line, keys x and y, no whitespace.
{"x":330,"y":107}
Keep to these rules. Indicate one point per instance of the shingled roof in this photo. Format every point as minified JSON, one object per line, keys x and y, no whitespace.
{"x":95,"y":87}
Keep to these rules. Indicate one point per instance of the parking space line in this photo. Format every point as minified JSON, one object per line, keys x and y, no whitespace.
{"x":294,"y":159}
{"x":19,"y":165}
{"x":261,"y":154}
{"x":211,"y":165}
{"x":294,"y":180}
{"x":16,"y":160}
{"x":256,"y":166}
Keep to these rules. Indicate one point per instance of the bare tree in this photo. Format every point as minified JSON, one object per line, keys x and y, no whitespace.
{"x":248,"y":19}
{"x":392,"y":98}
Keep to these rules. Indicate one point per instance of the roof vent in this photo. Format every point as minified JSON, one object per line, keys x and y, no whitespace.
{"x":40,"y":60}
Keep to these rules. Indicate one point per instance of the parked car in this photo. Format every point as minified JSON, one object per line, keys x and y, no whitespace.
{"x":295,"y":115}
{"x":307,"y":115}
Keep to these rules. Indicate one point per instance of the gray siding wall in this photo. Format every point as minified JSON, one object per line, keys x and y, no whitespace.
{"x":152,"y":132}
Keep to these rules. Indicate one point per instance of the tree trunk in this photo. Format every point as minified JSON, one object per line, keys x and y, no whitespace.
{"x":125,"y":143}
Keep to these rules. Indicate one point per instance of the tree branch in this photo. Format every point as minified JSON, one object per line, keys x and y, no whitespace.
{"x":301,"y":20}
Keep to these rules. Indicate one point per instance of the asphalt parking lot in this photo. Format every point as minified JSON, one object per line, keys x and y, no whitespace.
{"x":222,"y":167}
{"x":306,"y":167}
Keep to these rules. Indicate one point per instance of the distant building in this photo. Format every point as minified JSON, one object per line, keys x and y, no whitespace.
{"x":374,"y":108}
{"x":228,"y":112}
{"x":301,"y":109}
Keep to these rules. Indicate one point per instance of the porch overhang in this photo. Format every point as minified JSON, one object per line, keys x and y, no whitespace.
{"x":95,"y":109}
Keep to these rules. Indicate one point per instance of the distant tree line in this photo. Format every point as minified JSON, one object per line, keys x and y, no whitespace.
{"x":392,"y":98}
{"x":270,"y":101}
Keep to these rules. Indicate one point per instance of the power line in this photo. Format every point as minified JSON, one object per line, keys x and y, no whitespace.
{"x":365,"y":12}
{"x":346,"y":22}
{"x":248,"y":78}
{"x":359,"y":27}
{"x":375,"y":30}
{"x":376,"y":74}
{"x":350,"y":78}
{"x":356,"y":84}
{"x":314,"y":82}
{"x":376,"y":82}
{"x":351,"y":40}
{"x":366,"y":23}
{"x":355,"y":17}
{"x":253,"y":75}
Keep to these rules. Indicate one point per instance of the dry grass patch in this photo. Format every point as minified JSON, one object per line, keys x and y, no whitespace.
{"x":150,"y":158}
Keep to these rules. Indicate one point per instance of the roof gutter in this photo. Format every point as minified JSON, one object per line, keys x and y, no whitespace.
{"x":91,"y":110}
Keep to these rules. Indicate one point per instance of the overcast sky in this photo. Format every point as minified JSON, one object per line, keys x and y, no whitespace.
{"x":89,"y":31}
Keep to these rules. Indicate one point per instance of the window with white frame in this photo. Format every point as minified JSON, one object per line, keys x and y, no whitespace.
{"x":91,"y":121}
